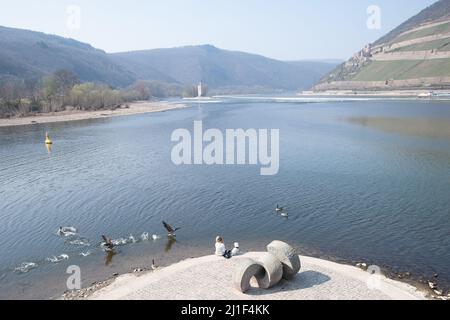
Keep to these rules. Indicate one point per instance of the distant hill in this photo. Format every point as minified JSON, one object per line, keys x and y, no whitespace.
{"x":219,"y":68}
{"x":415,"y":55}
{"x":29,"y":54}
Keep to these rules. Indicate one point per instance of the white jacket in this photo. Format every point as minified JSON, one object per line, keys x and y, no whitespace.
{"x":220,"y":249}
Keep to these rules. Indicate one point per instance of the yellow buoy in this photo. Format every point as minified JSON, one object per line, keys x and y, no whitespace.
{"x":47,"y":139}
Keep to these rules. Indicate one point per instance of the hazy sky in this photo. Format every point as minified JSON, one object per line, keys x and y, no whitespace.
{"x":282,"y":29}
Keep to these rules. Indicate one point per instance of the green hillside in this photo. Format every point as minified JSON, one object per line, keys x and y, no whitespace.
{"x":402,"y":70}
{"x":415,"y":54}
{"x":440,"y":45}
{"x":440,"y":29}
{"x":434,"y":12}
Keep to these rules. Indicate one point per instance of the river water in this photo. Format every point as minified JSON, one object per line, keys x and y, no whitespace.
{"x":363,"y":180}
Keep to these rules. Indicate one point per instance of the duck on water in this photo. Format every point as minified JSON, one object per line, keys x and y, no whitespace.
{"x":282,"y":211}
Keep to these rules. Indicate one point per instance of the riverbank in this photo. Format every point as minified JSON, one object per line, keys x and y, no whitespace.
{"x":417,"y":94}
{"x":199,"y":279}
{"x":76,"y":115}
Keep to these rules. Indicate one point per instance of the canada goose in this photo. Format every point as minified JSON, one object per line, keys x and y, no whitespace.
{"x":170,"y":229}
{"x":67,"y":231}
{"x":57,"y":259}
{"x":109,"y":245}
{"x":279,"y":209}
{"x":154,"y":266}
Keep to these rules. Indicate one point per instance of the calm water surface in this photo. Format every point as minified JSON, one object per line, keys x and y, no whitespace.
{"x":356,"y":190}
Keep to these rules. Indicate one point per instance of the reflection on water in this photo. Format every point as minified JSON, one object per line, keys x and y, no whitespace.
{"x":49,"y":148}
{"x":170,"y":243}
{"x":428,"y":128}
{"x":109,"y":257}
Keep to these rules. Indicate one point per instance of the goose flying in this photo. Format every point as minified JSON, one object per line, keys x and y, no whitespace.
{"x":109,"y":245}
{"x":171,"y":231}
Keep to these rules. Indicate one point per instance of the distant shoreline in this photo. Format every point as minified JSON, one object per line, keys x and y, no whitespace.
{"x":134,"y":108}
{"x":440,"y":94}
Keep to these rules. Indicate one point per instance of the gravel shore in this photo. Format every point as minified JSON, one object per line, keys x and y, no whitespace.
{"x":209,"y":278}
{"x":64,"y":116}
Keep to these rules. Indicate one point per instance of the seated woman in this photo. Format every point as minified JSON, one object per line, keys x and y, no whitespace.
{"x":221,"y":250}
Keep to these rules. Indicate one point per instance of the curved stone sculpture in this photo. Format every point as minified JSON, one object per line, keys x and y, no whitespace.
{"x":288,"y":257}
{"x":246,"y":270}
{"x":271,"y":273}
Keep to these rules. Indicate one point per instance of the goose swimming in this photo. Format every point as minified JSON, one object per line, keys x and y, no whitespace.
{"x":57,"y":259}
{"x":171,"y":231}
{"x":67,"y":231}
{"x":282,"y":211}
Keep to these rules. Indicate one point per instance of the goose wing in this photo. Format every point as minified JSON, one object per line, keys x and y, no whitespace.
{"x":168,"y":227}
{"x":107,"y":240}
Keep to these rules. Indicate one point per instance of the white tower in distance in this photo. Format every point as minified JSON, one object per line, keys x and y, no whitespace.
{"x":200,"y":90}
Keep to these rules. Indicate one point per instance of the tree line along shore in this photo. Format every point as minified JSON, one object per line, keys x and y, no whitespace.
{"x":63,"y":91}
